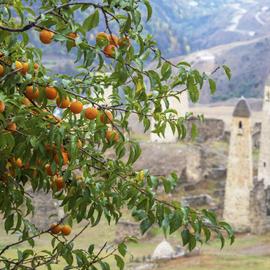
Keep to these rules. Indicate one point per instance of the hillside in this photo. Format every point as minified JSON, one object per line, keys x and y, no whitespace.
{"x":248,"y":61}
{"x":187,"y":26}
{"x":207,"y":33}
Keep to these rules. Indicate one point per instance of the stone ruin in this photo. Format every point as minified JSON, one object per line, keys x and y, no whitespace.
{"x":247,"y":197}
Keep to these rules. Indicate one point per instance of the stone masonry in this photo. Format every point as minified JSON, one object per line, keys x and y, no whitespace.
{"x":239,"y":181}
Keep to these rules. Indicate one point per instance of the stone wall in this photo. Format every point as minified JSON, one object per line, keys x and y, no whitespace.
{"x":209,"y":129}
{"x":260,"y":208}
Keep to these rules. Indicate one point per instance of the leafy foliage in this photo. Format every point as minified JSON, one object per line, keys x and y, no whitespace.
{"x":42,"y":151}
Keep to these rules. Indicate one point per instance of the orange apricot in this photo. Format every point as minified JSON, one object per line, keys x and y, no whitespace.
{"x":55,"y":228}
{"x":110,"y":50}
{"x":66,"y":230}
{"x":76,"y":107}
{"x":106,"y":117}
{"x":2,"y":70}
{"x":31,"y":92}
{"x":49,"y":170}
{"x":25,"y":68}
{"x":64,"y":103}
{"x":19,"y":163}
{"x":46,"y":36}
{"x":11,"y":126}
{"x":91,"y":113}
{"x":51,"y":92}
{"x":112,"y":135}
{"x":102,"y":37}
{"x":113,"y":39}
{"x":2,"y":106}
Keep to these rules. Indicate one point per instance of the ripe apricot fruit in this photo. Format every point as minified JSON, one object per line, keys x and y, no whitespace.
{"x":2,"y":70}
{"x":31,"y":92}
{"x":73,"y":36}
{"x":64,"y":103}
{"x":112,"y":135}
{"x":51,"y":92}
{"x":59,"y":183}
{"x":66,"y":230}
{"x":102,"y":37}
{"x":11,"y":126}
{"x":76,"y":107}
{"x":26,"y":101}
{"x":2,"y":106}
{"x":18,"y":65}
{"x":109,"y":50}
{"x":91,"y":113}
{"x":19,"y":163}
{"x":36,"y":66}
{"x":55,"y":228}
{"x":106,"y":117}
{"x":46,"y":36}
{"x":49,"y":170}
{"x":25,"y":68}
{"x":65,"y":158}
{"x":113,"y":39}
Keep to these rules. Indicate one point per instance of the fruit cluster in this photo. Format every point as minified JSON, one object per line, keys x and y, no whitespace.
{"x":58,"y":228}
{"x":109,"y":42}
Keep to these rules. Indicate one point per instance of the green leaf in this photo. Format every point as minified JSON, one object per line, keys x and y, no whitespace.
{"x":145,"y":225}
{"x":122,"y":248}
{"x":227,"y":71}
{"x":166,"y":71}
{"x":91,"y":249}
{"x":212,"y":85}
{"x":185,"y":234}
{"x":9,"y":222}
{"x":92,"y":21}
{"x":175,"y":222}
{"x":149,"y":9}
{"x":207,"y":233}
{"x":104,"y":265}
{"x":192,"y":242}
{"x":119,"y":262}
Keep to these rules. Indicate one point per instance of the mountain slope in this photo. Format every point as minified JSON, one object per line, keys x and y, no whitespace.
{"x":248,"y":60}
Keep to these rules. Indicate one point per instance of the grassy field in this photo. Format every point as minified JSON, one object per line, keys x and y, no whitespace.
{"x":249,"y":252}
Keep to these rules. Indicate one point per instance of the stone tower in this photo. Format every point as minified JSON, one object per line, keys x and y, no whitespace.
{"x":264,"y":160}
{"x":239,"y":181}
{"x":182,"y":108}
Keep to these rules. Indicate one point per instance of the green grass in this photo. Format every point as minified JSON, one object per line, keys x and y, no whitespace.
{"x":242,"y":255}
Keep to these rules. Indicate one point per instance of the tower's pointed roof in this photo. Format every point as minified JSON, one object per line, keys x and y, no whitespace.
{"x":242,"y":109}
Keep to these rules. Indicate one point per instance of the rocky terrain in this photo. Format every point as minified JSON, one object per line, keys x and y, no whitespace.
{"x":207,"y":34}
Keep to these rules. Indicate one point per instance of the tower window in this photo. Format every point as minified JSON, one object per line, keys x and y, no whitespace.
{"x":264,"y":164}
{"x":240,"y":125}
